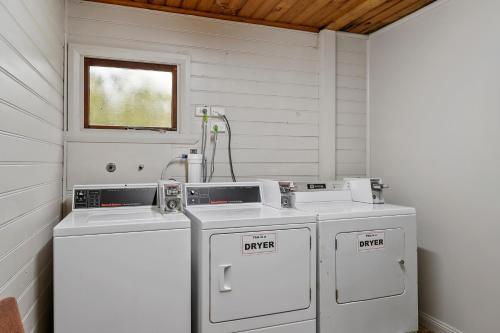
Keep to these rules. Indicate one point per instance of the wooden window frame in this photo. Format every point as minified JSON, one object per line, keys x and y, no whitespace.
{"x":88,"y":62}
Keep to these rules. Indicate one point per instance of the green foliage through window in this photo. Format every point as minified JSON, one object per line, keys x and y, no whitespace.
{"x":130,"y":97}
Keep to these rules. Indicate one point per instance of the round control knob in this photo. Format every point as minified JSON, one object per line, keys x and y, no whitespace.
{"x":172,"y":204}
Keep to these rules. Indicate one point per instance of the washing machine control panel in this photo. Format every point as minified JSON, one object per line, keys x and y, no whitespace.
{"x":222,"y":194}
{"x":111,"y":197}
{"x":170,"y":196}
{"x":317,"y":186}
{"x":287,"y":191}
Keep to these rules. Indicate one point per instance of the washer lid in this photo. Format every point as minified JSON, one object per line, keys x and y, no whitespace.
{"x":92,"y":222}
{"x":336,"y":210}
{"x":246,"y":216}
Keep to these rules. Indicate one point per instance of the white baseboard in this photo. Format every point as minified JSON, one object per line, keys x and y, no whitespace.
{"x":436,"y":325}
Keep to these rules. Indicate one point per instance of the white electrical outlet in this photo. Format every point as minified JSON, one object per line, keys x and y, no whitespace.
{"x":202,"y":110}
{"x":218,"y":111}
{"x":220,"y":125}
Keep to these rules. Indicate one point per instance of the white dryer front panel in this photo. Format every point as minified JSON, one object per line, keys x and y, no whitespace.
{"x":370,"y":264}
{"x":260,"y":273}
{"x":367,"y":287}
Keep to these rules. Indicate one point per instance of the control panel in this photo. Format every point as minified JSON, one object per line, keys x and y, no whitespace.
{"x":287,"y":190}
{"x":368,"y":190}
{"x":170,"y":196}
{"x":218,"y":194}
{"x":87,"y":197}
{"x":318,"y":186}
{"x":378,"y":190}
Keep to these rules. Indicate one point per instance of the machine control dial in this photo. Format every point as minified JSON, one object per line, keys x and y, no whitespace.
{"x":172,"y":204}
{"x":170,"y":193}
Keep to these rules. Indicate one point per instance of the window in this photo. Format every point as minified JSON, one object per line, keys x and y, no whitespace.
{"x":126,"y":94}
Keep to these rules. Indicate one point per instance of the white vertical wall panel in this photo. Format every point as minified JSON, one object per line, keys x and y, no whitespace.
{"x":31,"y":151}
{"x":327,"y":127}
{"x":351,"y":99}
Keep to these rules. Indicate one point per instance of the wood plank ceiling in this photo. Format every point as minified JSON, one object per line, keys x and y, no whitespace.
{"x":356,"y":16}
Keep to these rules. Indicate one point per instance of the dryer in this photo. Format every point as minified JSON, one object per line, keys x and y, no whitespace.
{"x":254,"y":266}
{"x":367,"y":262}
{"x":120,"y":265}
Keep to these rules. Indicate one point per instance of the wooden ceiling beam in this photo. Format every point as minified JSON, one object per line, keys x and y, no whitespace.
{"x":362,"y":8}
{"x":219,"y":16}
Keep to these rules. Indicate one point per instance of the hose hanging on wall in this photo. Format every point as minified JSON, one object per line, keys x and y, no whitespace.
{"x":204,"y":148}
{"x":229,"y":147}
{"x":206,"y":175}
{"x":177,"y":159}
{"x":212,"y":163}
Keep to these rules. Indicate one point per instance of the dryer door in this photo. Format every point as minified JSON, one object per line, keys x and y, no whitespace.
{"x":259,"y":273}
{"x":370,"y":264}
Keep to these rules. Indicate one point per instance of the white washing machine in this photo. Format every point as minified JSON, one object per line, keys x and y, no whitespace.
{"x":120,"y":265}
{"x":254,"y":266}
{"x":367,"y":263}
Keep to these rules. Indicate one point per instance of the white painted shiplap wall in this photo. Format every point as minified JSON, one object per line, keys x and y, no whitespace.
{"x":266,"y":78}
{"x":351,"y":105}
{"x":31,"y":151}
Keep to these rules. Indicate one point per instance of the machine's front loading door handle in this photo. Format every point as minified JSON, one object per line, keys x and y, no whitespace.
{"x":225,"y":278}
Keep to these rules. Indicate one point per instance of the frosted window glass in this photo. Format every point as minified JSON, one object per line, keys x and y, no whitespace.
{"x":124,"y":97}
